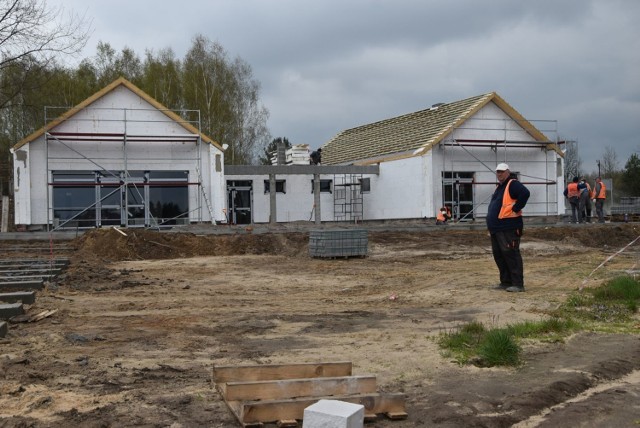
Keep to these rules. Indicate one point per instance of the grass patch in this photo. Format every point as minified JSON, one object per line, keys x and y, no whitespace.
{"x":612,"y":304}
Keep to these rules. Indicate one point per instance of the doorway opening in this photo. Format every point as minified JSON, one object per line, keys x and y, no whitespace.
{"x":239,"y":197}
{"x":458,"y":194}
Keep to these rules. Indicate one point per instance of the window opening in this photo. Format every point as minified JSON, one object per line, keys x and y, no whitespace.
{"x":280,"y":186}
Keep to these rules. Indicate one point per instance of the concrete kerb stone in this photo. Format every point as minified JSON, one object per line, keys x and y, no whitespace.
{"x":10,"y":310}
{"x":26,"y":297}
{"x":21,"y":285}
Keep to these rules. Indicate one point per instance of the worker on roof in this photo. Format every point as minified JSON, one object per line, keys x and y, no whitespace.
{"x":316,"y":157}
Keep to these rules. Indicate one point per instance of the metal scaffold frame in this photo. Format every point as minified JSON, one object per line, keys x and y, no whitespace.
{"x":504,"y":150}
{"x":120,"y":179}
{"x":348,"y":203}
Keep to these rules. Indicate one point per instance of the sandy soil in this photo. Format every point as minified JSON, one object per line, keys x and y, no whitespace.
{"x":143,"y":318}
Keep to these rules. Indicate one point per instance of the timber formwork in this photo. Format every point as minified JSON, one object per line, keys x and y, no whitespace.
{"x":263,"y":394}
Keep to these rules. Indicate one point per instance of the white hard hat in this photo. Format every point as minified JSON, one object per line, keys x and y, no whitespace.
{"x":502,"y":167}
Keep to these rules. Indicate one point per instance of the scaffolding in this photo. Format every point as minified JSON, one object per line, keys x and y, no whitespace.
{"x":460,"y":186}
{"x":348,"y":203}
{"x":122,"y":182}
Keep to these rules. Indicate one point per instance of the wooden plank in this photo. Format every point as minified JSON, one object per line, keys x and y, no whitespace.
{"x":224,"y":374}
{"x":291,"y":388}
{"x":274,"y":410}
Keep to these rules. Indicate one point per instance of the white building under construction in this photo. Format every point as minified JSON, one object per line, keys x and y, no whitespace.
{"x":121,"y":158}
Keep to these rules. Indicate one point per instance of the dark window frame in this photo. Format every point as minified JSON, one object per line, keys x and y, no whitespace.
{"x":281,"y":186}
{"x":326,"y":185}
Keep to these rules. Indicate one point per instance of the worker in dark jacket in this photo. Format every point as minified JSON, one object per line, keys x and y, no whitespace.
{"x":504,"y":221}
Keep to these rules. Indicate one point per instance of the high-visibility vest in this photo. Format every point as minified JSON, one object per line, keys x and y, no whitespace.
{"x":572,"y":190}
{"x":440,"y":216}
{"x":603,"y":191}
{"x":507,"y":204}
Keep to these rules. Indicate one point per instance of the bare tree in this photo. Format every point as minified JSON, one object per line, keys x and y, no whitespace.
{"x":609,"y":164}
{"x":572,"y":162}
{"x":32,"y":35}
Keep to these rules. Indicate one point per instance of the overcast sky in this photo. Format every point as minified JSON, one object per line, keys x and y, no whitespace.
{"x":329,"y":65}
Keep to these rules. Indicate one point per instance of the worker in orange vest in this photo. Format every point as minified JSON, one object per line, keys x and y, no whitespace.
{"x":573,"y":194}
{"x":504,"y":221}
{"x":585,"y":200}
{"x":443,"y":215}
{"x":600,"y":194}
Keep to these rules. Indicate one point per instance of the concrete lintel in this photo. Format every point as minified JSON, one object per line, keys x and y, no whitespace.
{"x":300,"y":169}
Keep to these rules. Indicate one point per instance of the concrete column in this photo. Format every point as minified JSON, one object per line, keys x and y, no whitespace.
{"x":273,"y":209}
{"x":316,"y":198}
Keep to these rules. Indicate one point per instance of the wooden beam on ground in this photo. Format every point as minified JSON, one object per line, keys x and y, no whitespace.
{"x":224,"y":374}
{"x":274,"y":410}
{"x":281,"y":389}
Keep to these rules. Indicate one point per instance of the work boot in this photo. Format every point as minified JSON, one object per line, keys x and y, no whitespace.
{"x":515,"y":289}
{"x":501,"y":287}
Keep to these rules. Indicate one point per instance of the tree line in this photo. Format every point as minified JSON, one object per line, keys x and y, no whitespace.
{"x":207,"y":86}
{"x":625,"y":179}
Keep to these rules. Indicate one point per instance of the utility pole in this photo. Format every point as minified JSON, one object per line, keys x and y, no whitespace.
{"x":598,"y":162}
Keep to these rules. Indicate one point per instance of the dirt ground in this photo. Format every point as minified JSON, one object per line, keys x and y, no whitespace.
{"x":143,"y":318}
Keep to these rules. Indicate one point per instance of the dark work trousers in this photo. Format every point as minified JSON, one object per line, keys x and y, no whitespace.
{"x":585,"y":207}
{"x":506,"y":252}
{"x":576,"y":213}
{"x":600,"y":209}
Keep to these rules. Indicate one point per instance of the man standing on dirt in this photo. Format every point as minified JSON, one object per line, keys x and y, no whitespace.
{"x":572,"y":192}
{"x":600,"y":196}
{"x":504,"y":221}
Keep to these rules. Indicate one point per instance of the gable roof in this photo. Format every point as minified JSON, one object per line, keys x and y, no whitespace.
{"x":104,"y":91}
{"x":415,"y":133}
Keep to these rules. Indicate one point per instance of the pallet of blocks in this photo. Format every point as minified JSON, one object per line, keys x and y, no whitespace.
{"x":261,"y":394}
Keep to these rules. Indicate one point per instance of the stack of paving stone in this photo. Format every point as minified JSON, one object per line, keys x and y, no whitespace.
{"x":338,"y":243}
